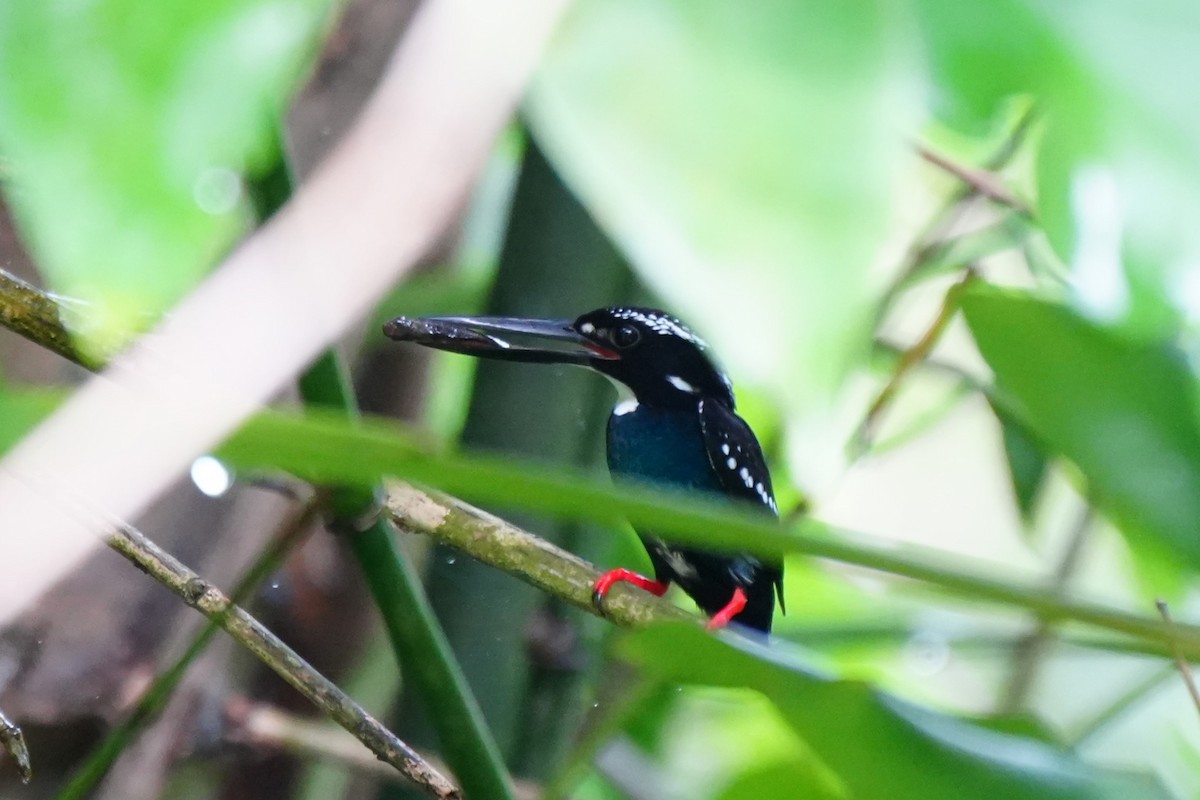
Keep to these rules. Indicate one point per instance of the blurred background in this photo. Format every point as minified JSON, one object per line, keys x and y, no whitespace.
{"x":947,"y":254}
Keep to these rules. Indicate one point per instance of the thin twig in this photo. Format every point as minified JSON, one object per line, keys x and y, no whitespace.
{"x":932,"y":242}
{"x":250,"y":633}
{"x":1029,"y":651}
{"x":910,"y":358}
{"x":259,"y":725}
{"x":1099,"y":721}
{"x":290,"y":534}
{"x":1185,"y":669}
{"x":12,"y":740}
{"x":982,"y":181}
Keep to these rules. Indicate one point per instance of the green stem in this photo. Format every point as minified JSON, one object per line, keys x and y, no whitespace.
{"x":419,"y":643}
{"x":421,"y":647}
{"x":1107,"y":715}
{"x":301,"y":446}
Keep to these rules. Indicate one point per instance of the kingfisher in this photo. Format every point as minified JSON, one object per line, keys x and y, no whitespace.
{"x":675,"y":425}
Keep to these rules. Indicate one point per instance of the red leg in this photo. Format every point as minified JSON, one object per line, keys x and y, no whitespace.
{"x":605,"y":582}
{"x":731,"y":610}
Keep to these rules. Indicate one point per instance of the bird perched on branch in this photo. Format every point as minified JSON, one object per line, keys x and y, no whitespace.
{"x":675,"y":425}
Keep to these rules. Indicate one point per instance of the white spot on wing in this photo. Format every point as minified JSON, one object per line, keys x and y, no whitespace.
{"x":731,"y":463}
{"x":678,"y":564}
{"x":725,"y":448}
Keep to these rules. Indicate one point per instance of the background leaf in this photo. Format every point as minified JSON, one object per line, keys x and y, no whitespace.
{"x":1123,"y":411}
{"x":1118,"y":169}
{"x":878,"y":745}
{"x":127,"y":161}
{"x":747,"y":180}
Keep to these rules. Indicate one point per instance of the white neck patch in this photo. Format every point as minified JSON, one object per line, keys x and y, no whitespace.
{"x":624,"y":407}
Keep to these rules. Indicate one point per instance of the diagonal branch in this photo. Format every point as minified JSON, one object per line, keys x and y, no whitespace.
{"x":12,"y":741}
{"x":250,"y":633}
{"x":34,"y":314}
{"x":506,"y":547}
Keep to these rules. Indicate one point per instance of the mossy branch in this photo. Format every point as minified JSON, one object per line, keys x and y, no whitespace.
{"x":34,"y":314}
{"x":499,"y":544}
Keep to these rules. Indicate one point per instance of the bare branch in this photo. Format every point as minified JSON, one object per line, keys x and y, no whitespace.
{"x":251,"y":634}
{"x":981,"y":181}
{"x":12,"y":740}
{"x":1185,"y":669}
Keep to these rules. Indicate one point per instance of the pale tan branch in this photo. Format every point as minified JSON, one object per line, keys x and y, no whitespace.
{"x":285,"y":662}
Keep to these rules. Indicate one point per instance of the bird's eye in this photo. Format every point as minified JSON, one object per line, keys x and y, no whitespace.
{"x":626,"y":336}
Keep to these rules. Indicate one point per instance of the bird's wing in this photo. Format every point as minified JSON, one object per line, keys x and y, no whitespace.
{"x":735,"y":455}
{"x":737,"y":459}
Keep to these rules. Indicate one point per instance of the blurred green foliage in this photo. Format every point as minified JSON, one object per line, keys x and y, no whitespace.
{"x":875,"y":745}
{"x":754,"y":163}
{"x":127,"y":129}
{"x":1122,"y":410}
{"x":741,"y":171}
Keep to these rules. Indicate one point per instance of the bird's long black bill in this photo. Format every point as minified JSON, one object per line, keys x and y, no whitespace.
{"x":542,"y":341}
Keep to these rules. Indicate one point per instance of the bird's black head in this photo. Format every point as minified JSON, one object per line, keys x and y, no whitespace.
{"x":655,"y":355}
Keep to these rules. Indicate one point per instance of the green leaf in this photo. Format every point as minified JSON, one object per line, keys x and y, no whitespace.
{"x":1118,"y":175}
{"x":877,"y":744}
{"x":743,"y":156}
{"x":126,"y":127}
{"x":21,"y":411}
{"x":1123,"y":411}
{"x":783,"y":781}
{"x":1027,"y":461}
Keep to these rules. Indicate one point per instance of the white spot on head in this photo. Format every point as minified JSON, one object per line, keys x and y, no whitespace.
{"x":625,"y":407}
{"x":211,"y":476}
{"x":682,"y":385}
{"x":731,"y":463}
{"x":587,"y":328}
{"x":660,"y":324}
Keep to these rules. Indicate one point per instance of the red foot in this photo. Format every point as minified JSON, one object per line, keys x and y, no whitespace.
{"x":732,"y":609}
{"x":605,"y":582}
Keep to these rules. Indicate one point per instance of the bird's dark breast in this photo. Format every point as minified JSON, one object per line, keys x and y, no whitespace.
{"x":666,"y":447}
{"x":660,"y":446}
